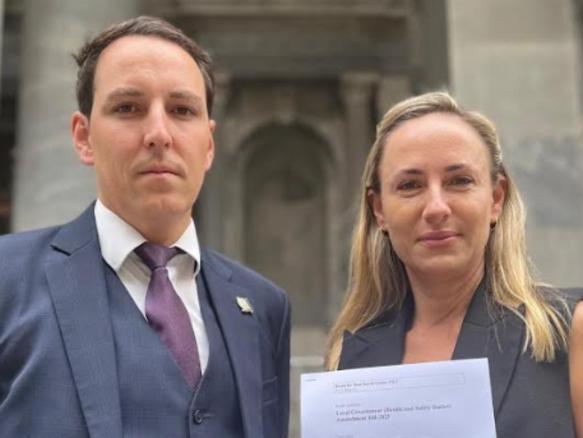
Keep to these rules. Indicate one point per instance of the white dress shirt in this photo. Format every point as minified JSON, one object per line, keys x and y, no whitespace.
{"x":118,"y":240}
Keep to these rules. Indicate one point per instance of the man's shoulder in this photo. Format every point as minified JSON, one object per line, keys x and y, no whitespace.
{"x":23,"y":256}
{"x":242,"y":275}
{"x":270,"y":303}
{"x":27,"y":241}
{"x":69,"y":235}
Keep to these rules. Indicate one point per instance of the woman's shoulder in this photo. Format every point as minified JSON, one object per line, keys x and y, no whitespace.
{"x":572,"y":294}
{"x":560,"y":298}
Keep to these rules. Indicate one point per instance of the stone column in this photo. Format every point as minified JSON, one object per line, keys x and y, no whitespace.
{"x":427,"y":32}
{"x":50,"y":185}
{"x":357,"y":91}
{"x":212,"y":214}
{"x":517,"y":62}
{"x":1,"y":33}
{"x":392,"y":89}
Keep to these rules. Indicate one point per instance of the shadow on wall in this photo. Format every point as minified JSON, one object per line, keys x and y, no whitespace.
{"x":548,"y":172}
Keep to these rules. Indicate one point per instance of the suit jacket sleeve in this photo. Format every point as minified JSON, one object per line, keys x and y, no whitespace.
{"x":283,"y":368}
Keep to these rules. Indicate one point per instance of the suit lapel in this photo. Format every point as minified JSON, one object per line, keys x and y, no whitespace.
{"x":241,"y":333}
{"x":382,"y":343}
{"x":77,"y":286}
{"x":487,"y":331}
{"x":492,"y":332}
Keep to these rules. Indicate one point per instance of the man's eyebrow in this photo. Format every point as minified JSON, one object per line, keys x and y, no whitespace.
{"x":120,"y":93}
{"x":184,"y":94}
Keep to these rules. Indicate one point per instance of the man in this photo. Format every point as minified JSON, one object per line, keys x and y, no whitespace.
{"x":118,"y":324}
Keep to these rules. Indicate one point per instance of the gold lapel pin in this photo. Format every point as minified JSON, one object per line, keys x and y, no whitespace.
{"x":245,"y":305}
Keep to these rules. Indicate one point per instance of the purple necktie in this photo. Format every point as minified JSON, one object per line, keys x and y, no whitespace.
{"x":166,"y":312}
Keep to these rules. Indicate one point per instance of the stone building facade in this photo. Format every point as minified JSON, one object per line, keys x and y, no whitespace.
{"x":301,"y":84}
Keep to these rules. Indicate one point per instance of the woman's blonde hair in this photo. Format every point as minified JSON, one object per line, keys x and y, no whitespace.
{"x":377,"y":278}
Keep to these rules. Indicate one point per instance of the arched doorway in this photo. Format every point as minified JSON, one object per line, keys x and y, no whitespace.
{"x":285,"y":216}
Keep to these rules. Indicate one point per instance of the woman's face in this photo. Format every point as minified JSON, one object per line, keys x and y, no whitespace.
{"x":437,"y":199}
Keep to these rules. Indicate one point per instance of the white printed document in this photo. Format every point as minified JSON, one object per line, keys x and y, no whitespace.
{"x":450,"y":399}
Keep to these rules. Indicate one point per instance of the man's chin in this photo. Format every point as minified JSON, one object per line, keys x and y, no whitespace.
{"x":163,"y":206}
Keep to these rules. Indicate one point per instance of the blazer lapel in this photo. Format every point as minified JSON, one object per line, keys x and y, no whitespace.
{"x":77,"y":286}
{"x":241,"y":332}
{"x":487,"y":331}
{"x":495,"y":333}
{"x":382,"y":343}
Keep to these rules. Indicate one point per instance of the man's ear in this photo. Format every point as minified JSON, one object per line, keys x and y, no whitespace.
{"x":80,"y":134}
{"x":210,"y":153}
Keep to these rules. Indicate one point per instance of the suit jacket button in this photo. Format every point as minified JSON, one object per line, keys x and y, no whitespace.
{"x":197,"y":417}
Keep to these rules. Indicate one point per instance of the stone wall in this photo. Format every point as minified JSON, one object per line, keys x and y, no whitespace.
{"x":518,"y":62}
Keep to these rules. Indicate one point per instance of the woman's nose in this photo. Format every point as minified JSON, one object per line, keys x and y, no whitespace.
{"x":436,"y":208}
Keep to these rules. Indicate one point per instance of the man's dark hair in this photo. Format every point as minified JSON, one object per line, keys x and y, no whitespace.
{"x":88,"y":55}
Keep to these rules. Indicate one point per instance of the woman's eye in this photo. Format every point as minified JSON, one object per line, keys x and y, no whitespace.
{"x":460,"y":181}
{"x":408,"y":185}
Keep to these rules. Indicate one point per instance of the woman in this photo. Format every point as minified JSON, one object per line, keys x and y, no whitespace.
{"x":439,"y":271}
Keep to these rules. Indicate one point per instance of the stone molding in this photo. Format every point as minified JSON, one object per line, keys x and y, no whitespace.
{"x":386,"y":8}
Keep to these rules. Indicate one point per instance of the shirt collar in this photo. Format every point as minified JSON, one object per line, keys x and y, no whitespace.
{"x":118,"y":239}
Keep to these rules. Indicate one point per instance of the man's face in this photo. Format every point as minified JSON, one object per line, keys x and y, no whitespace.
{"x":149,"y":135}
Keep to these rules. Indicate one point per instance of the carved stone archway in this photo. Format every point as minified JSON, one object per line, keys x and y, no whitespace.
{"x":286,"y":215}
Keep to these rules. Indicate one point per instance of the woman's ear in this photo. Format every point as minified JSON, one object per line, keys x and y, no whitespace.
{"x":375,"y":204}
{"x":498,"y":197}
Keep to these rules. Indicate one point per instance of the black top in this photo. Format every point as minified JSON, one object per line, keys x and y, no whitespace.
{"x":531,"y":399}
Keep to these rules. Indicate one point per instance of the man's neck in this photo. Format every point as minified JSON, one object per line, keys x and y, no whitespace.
{"x":162,"y":232}
{"x":161,"y":228}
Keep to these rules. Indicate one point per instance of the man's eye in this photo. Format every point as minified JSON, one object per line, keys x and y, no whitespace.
{"x":125,"y":108}
{"x":184,"y":111}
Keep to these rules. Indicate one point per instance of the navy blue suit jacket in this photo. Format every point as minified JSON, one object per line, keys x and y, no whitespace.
{"x":57,"y":355}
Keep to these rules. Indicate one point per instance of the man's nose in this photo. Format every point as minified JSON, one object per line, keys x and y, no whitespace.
{"x":157,"y":129}
{"x":436,"y":208}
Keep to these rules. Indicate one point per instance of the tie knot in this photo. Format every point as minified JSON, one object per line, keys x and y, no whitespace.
{"x":154,"y":255}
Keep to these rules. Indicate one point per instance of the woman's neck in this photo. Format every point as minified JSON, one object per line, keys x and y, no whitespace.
{"x":443,"y":299}
{"x":440,"y":307}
